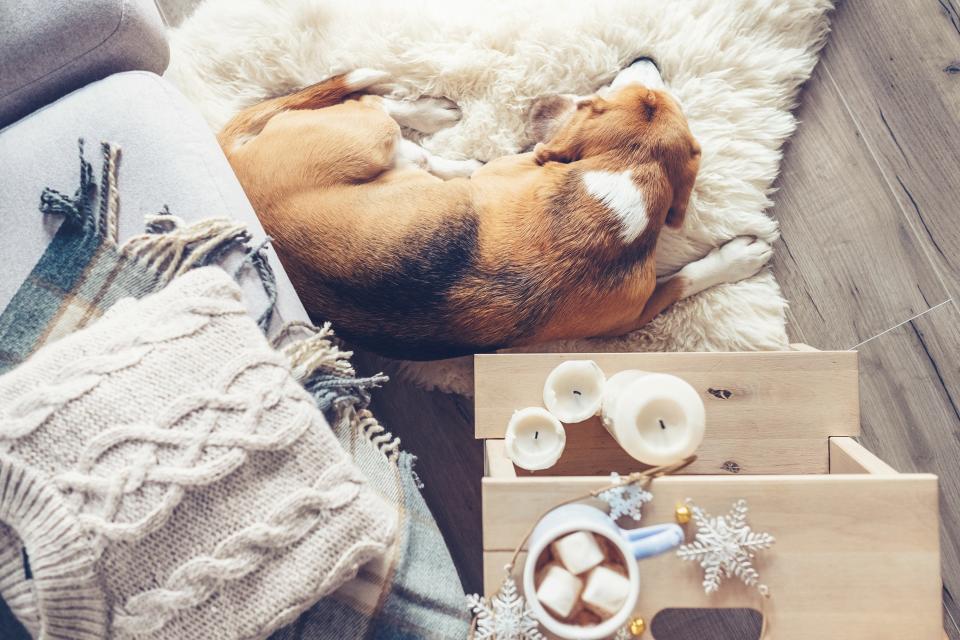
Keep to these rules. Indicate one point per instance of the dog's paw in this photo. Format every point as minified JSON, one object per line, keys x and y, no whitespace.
{"x":735,"y":261}
{"x":743,"y":257}
{"x":432,"y":114}
{"x":426,"y":115}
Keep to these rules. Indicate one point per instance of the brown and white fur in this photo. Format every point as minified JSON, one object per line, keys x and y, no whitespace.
{"x":415,"y":256}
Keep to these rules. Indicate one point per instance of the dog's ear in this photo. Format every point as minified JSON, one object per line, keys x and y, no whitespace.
{"x":548,"y":113}
{"x":677,"y":212}
{"x":572,"y":132}
{"x":680,"y":155}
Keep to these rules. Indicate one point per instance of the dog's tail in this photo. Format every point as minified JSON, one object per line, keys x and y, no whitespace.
{"x":251,"y":121}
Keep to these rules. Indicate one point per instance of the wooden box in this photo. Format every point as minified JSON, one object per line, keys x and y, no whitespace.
{"x":857,"y":552}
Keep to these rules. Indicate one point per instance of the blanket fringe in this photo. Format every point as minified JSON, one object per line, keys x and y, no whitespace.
{"x":171,"y":247}
{"x":77,"y":210}
{"x":324,"y":369}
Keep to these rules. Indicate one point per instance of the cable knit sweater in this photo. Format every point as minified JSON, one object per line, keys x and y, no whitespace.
{"x":163,"y":476}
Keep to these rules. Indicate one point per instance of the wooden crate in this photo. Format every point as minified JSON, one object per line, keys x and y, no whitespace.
{"x":857,"y":553}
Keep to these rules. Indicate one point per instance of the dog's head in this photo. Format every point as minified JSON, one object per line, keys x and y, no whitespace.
{"x":629,"y":126}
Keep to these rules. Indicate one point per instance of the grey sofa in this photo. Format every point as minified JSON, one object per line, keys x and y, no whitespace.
{"x":100,"y":82}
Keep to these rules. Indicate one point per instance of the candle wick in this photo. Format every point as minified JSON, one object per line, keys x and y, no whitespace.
{"x":536,"y":434}
{"x":577,"y":393}
{"x":662,"y":426}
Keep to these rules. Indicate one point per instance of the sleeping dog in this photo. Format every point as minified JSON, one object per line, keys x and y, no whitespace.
{"x":415,"y":256}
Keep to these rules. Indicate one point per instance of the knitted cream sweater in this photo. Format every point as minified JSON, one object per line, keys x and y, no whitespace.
{"x":163,"y":476}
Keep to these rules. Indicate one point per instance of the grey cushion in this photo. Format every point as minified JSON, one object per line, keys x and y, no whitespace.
{"x":169,"y":156}
{"x":51,"y":47}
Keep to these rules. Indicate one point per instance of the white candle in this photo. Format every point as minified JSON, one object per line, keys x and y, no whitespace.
{"x":535,"y":439}
{"x":657,"y":418}
{"x":573,"y":390}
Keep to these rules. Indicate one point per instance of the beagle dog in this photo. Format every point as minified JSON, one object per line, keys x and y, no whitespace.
{"x":415,"y":256}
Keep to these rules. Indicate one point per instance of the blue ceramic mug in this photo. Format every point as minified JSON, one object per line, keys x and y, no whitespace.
{"x":631,"y":543}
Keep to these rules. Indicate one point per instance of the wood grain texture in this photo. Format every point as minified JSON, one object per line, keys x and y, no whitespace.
{"x":901,"y":86}
{"x":848,"y":260}
{"x":856,"y":556}
{"x":772,"y":389}
{"x":796,"y":399}
{"x":868,"y":204}
{"x":911,"y":377}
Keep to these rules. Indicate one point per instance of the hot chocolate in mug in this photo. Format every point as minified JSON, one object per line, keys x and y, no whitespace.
{"x":630,"y":544}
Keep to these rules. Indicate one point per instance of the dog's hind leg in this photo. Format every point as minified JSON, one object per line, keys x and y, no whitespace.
{"x":247,"y":124}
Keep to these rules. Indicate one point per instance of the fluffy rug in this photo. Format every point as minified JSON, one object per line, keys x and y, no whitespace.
{"x":735,"y":65}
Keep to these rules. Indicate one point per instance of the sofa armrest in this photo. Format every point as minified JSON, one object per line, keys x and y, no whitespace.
{"x":51,"y":47}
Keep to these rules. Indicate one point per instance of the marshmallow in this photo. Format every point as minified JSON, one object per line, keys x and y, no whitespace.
{"x":559,"y":590}
{"x":606,"y":591}
{"x":578,"y":552}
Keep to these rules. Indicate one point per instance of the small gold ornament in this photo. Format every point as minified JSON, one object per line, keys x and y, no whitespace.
{"x":682,"y":513}
{"x":637,"y":626}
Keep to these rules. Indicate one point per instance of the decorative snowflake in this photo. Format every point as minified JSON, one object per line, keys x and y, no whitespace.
{"x":725,"y":546}
{"x":624,"y":634}
{"x":506,"y":616}
{"x":625,"y":499}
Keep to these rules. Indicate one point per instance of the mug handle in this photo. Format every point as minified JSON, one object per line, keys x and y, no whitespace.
{"x":646,"y":542}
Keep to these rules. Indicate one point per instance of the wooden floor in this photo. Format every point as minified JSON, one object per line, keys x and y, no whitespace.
{"x":870,"y":259}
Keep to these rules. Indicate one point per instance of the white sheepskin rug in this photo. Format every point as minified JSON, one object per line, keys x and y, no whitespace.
{"x":735,"y":65}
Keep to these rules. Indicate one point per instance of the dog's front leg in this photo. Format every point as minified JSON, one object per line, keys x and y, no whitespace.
{"x":737,"y":260}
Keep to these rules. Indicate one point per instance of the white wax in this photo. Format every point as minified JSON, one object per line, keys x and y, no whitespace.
{"x":535,"y":439}
{"x":573,"y":390}
{"x":657,"y":418}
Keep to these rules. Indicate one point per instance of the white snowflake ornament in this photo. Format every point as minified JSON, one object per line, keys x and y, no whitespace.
{"x":506,"y":616}
{"x":724,"y":546}
{"x":625,"y":499}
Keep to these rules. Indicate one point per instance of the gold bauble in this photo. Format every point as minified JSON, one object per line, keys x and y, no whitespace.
{"x":637,"y":627}
{"x":682,"y":513}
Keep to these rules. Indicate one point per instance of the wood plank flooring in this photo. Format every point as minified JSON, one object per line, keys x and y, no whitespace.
{"x":868,"y":202}
{"x":868,"y":205}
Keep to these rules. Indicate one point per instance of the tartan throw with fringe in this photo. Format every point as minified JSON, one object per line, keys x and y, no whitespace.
{"x":414,"y":592}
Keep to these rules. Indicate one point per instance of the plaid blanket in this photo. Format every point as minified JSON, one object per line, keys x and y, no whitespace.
{"x":414,"y":592}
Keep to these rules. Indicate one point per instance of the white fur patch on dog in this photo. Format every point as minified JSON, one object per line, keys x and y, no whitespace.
{"x":363,"y":78}
{"x":734,"y":65}
{"x":620,"y":194}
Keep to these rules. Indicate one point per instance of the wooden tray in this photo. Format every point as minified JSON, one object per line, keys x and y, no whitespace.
{"x":857,"y":553}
